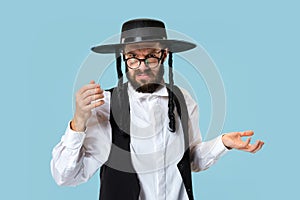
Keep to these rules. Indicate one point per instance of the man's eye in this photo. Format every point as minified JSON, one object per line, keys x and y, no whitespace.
{"x":130,"y":55}
{"x":153,"y":55}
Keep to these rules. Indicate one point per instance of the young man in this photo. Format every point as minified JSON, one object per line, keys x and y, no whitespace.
{"x":144,"y":134}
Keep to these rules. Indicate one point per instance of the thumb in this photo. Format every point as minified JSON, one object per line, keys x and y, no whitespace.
{"x":92,"y":82}
{"x":247,"y":133}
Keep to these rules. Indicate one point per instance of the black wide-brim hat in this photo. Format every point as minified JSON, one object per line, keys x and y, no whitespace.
{"x":140,"y":31}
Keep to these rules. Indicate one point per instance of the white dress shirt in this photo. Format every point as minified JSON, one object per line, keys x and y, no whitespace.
{"x":155,"y":151}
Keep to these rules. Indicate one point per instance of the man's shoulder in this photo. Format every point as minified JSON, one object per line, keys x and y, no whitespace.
{"x":189,"y":99}
{"x":185,"y":92}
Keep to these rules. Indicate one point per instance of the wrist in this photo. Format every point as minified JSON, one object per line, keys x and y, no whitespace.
{"x":77,"y":125}
{"x":224,"y":142}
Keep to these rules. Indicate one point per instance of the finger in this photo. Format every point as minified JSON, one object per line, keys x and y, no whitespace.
{"x":88,"y":87}
{"x":255,"y":147}
{"x":260,"y":145}
{"x":91,"y":92}
{"x":92,"y":82}
{"x":244,"y":145}
{"x":252,"y":147}
{"x":92,"y":98}
{"x":94,"y":105}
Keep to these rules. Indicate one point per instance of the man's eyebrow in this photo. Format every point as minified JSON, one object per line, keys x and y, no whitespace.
{"x":133,"y":54}
{"x":155,"y":51}
{"x":130,"y":53}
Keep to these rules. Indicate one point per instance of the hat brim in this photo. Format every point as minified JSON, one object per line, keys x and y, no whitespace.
{"x":174,"y":46}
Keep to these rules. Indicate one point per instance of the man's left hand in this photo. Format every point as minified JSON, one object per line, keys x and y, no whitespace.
{"x":234,"y":140}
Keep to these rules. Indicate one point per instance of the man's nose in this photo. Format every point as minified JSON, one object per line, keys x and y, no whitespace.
{"x":143,"y":66}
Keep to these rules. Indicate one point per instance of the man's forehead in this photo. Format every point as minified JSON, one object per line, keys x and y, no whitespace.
{"x":142,"y":47}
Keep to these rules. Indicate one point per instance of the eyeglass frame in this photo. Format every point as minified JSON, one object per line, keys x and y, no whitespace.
{"x":143,"y":60}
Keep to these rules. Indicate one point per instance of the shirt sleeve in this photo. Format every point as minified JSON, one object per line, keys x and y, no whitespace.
{"x":203,"y":154}
{"x":79,"y":155}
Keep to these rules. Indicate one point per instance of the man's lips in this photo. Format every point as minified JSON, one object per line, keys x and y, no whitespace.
{"x":143,"y":75}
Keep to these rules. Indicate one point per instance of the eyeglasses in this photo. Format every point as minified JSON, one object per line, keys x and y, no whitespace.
{"x":150,"y":61}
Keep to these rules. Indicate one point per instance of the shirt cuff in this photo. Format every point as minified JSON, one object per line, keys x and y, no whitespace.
{"x":219,"y":148}
{"x":73,"y":139}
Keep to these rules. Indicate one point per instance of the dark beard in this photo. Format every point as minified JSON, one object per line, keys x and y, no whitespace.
{"x":147,"y":87}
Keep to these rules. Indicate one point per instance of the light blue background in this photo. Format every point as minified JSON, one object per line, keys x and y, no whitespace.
{"x":255,"y":45}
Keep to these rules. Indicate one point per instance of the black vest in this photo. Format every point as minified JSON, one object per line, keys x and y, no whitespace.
{"x":120,"y":185}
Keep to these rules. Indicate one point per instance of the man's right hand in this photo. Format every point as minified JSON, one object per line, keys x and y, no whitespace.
{"x":88,"y":97}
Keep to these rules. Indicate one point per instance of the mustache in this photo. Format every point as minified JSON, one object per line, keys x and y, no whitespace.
{"x":147,"y":72}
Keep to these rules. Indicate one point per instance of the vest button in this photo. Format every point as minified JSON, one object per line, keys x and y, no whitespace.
{"x":181,"y":166}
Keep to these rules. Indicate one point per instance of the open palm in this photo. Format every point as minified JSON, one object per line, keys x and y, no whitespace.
{"x":234,"y":140}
